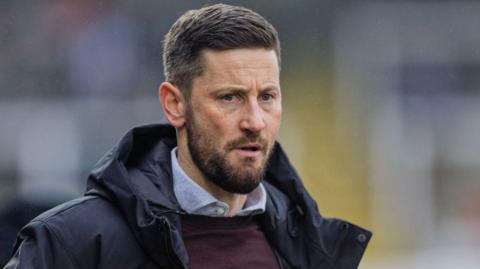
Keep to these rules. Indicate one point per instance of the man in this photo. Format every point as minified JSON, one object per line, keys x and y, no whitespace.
{"x":212,"y":189}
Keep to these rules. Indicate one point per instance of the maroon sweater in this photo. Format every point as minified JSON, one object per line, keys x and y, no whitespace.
{"x":226,"y":243}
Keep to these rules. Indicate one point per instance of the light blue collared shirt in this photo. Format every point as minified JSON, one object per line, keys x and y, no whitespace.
{"x":197,"y":201}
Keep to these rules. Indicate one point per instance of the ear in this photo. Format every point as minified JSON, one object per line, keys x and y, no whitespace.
{"x":173,"y":104}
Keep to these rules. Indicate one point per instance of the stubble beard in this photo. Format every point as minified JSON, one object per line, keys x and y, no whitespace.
{"x":207,"y":155}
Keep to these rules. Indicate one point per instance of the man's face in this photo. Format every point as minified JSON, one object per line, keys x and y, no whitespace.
{"x":233,"y":116}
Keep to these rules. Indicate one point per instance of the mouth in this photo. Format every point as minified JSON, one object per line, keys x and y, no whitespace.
{"x":249,"y":150}
{"x":251,"y":147}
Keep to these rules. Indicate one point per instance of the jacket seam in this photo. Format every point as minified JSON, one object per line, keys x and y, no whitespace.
{"x":279,"y":259}
{"x":64,"y":210}
{"x":71,"y":257}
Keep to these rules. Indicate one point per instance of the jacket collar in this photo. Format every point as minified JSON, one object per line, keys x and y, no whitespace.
{"x":136,"y":176}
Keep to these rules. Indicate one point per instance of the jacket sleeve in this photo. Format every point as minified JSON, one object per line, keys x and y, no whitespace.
{"x":38,"y":246}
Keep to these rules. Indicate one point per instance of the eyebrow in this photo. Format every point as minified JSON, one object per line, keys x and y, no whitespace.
{"x":236,"y":89}
{"x":230,"y":89}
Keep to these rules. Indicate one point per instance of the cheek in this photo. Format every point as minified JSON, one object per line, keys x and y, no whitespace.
{"x":274,"y":120}
{"x":215,"y":124}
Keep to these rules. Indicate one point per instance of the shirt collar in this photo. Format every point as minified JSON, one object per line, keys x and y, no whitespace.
{"x":196,"y":200}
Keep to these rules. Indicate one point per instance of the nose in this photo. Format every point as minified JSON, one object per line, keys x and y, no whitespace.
{"x":253,"y":118}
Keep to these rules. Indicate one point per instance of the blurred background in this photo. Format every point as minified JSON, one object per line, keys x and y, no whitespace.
{"x":381,"y":110}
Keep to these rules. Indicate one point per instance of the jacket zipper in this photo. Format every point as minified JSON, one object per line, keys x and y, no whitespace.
{"x":171,"y":255}
{"x":279,"y":259}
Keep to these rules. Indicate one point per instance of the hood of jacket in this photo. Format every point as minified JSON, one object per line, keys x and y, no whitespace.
{"x":136,"y":176}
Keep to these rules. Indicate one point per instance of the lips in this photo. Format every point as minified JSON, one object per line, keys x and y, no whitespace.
{"x":248,"y":147}
{"x":251,"y":147}
{"x":250,"y":150}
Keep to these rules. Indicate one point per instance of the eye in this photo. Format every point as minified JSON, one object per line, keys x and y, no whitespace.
{"x":266,"y":97}
{"x":227,"y":97}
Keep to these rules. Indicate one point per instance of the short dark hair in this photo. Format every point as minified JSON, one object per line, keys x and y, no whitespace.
{"x":217,"y":27}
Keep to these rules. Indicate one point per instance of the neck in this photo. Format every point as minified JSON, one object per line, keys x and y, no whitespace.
{"x":235,"y":201}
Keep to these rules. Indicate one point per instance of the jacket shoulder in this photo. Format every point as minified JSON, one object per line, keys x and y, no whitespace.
{"x":83,"y":219}
{"x":88,"y":232}
{"x":305,"y":239}
{"x":81,"y":213}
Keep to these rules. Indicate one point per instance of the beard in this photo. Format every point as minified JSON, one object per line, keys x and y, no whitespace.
{"x":212,"y":160}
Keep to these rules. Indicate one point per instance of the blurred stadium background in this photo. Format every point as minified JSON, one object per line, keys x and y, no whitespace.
{"x":381,"y":110}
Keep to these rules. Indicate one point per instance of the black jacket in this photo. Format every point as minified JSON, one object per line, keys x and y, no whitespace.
{"x":129,"y":217}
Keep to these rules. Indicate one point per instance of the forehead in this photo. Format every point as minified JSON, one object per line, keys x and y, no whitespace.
{"x":239,"y":64}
